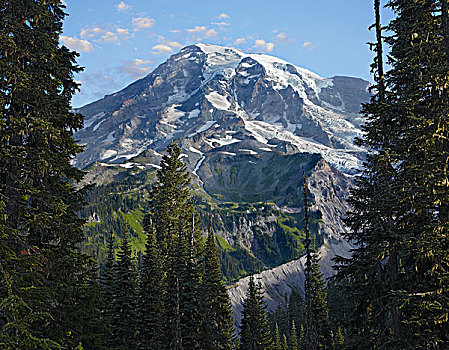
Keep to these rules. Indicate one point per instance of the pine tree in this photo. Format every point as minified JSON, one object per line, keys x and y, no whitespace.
{"x":124,"y":322}
{"x":295,"y":308}
{"x":418,"y":81}
{"x":339,"y":340}
{"x":399,"y":218}
{"x":18,"y":311}
{"x":302,"y":338}
{"x":294,"y":337}
{"x":179,"y":240}
{"x":107,"y":291}
{"x":277,"y":339}
{"x":317,"y":325}
{"x":36,"y":176}
{"x":170,"y":202}
{"x":217,"y":330}
{"x":255,"y":332}
{"x":152,"y":294}
{"x":284,"y":343}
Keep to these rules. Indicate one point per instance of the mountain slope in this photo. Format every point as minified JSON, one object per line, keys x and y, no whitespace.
{"x":214,"y":96}
{"x":247,"y":123}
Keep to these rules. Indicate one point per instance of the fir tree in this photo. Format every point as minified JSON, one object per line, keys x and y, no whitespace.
{"x":284,"y":343}
{"x":277,"y":339}
{"x":107,"y":290}
{"x":152,"y":294}
{"x":372,"y":222}
{"x":339,"y":340}
{"x":255,"y":332}
{"x":217,"y":330}
{"x":36,"y":176}
{"x":124,"y":303}
{"x":294,"y":337}
{"x":295,"y":308}
{"x":179,"y":240}
{"x":399,"y":216}
{"x":317,"y":325}
{"x":302,"y":338}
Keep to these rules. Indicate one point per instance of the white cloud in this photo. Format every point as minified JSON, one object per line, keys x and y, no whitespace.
{"x":121,"y":6}
{"x":210,"y":33}
{"x":240,"y":41}
{"x":197,"y":29}
{"x":142,"y":22}
{"x":221,"y":24}
{"x":223,"y":16}
{"x":174,"y":44}
{"x":263,"y":45}
{"x":307,"y":45}
{"x":270,"y":47}
{"x":136,"y":68}
{"x":122,"y":31}
{"x":109,"y":37}
{"x":281,"y":37}
{"x":91,"y":32}
{"x":175,"y":31}
{"x":161,"y":48}
{"x":77,"y":44}
{"x":99,"y":35}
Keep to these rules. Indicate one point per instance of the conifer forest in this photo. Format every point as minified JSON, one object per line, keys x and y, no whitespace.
{"x":68,"y":283}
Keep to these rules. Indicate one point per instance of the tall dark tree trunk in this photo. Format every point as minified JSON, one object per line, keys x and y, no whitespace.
{"x":379,"y":51}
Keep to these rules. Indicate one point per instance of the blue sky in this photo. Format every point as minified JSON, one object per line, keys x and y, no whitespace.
{"x":121,"y":41}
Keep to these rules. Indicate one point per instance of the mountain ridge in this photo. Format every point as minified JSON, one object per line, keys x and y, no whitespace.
{"x":206,"y":83}
{"x":246,"y":123}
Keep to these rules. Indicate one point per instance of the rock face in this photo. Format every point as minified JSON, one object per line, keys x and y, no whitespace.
{"x":329,"y":188}
{"x":247,"y":123}
{"x":279,"y":281}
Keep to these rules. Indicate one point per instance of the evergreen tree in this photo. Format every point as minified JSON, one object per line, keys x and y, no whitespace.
{"x":302,"y":338}
{"x":152,"y":294}
{"x":277,"y":339}
{"x":293,"y":337}
{"x":339,"y":340}
{"x":317,"y":325}
{"x":107,"y":291}
{"x":18,"y":310}
{"x":285,"y":343}
{"x":179,"y":241}
{"x":255,"y":332}
{"x":217,"y":330}
{"x":399,"y":218}
{"x":418,"y":83}
{"x":368,"y":278}
{"x":36,"y":176}
{"x":124,"y":322}
{"x":171,"y":207}
{"x":295,"y":308}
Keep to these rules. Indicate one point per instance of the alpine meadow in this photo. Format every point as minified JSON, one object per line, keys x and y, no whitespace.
{"x":169,"y":183}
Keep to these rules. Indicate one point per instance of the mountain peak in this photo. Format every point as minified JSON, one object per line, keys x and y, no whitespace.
{"x":210,"y":96}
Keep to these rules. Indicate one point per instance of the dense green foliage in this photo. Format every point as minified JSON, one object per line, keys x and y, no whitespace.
{"x":47,"y":287}
{"x":255,"y":331}
{"x":111,"y":206}
{"x":393,"y":293}
{"x":217,"y":325}
{"x":398,"y":277}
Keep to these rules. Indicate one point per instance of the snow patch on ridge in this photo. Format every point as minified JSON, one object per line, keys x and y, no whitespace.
{"x":218,"y":101}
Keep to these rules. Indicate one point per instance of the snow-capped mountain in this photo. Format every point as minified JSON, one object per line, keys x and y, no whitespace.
{"x":247,"y":124}
{"x":212,"y":97}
